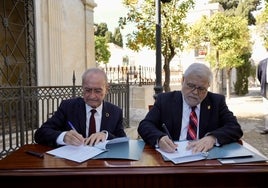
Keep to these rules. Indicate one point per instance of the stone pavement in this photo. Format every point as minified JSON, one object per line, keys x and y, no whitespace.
{"x":249,"y":111}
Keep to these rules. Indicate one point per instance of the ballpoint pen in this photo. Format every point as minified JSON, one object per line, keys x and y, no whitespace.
{"x":40,"y":155}
{"x":166,"y":130}
{"x":71,"y":125}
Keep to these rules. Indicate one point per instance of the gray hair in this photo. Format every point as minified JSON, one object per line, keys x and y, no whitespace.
{"x":199,"y":69}
{"x":94,"y":70}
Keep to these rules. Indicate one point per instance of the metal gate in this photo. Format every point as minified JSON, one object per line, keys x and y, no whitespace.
{"x":17,"y":43}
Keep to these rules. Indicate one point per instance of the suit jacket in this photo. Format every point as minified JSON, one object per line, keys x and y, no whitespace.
{"x":215,"y":119}
{"x":261,"y":74}
{"x":74,"y":110}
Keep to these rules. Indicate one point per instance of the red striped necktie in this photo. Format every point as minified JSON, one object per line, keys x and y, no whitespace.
{"x":192,"y":128}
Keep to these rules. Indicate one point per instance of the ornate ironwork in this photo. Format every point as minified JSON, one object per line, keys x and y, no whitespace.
{"x":17,"y":47}
{"x":25,"y":108}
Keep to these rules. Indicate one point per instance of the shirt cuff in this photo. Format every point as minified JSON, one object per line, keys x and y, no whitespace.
{"x":60,"y":139}
{"x":107,"y":134}
{"x":216,"y":140}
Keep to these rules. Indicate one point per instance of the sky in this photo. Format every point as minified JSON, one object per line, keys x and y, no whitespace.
{"x":109,"y":11}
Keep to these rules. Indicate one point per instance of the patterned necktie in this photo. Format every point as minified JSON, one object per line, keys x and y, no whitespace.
{"x":192,"y":128}
{"x":92,"y":123}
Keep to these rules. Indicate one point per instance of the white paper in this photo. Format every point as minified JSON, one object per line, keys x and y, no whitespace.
{"x":84,"y":152}
{"x":183,"y":155}
{"x":76,"y":153}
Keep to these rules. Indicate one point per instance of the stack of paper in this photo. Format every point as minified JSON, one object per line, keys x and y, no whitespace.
{"x":237,"y":153}
{"x":182,"y":155}
{"x":226,"y":154}
{"x":84,"y":152}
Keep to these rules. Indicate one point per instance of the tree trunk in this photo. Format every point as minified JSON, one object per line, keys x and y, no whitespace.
{"x":167,"y":76}
{"x":228,"y":86}
{"x":216,"y":75}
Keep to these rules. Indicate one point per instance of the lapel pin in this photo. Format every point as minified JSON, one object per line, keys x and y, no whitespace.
{"x":208,"y":107}
{"x":107,"y":114}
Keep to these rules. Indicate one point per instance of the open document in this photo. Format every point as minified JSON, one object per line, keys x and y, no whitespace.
{"x":131,"y":150}
{"x":84,"y":152}
{"x":182,"y":155}
{"x":226,"y":154}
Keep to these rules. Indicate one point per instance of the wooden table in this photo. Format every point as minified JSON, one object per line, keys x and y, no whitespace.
{"x":23,"y":170}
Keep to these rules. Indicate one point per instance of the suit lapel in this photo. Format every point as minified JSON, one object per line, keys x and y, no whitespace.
{"x":82,"y":117}
{"x":177,"y":113}
{"x":204,"y":116}
{"x":105,"y":116}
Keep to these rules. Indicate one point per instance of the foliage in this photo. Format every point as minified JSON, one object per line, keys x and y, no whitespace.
{"x":240,"y":8}
{"x":117,"y":37}
{"x":108,"y":37}
{"x":244,"y":9}
{"x":101,"y":29}
{"x":142,"y":13}
{"x":102,"y":54}
{"x":262,"y":25}
{"x":227,"y":34}
{"x":243,"y":72}
{"x":228,"y":38}
{"x":102,"y":37}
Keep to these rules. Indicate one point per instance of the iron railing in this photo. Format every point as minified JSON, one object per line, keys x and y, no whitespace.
{"x":133,"y":75}
{"x":139,"y":75}
{"x":25,"y":108}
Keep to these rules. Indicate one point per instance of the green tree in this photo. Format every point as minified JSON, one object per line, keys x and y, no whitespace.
{"x":262,"y":25}
{"x":228,"y":38}
{"x":109,"y":37}
{"x":173,"y":28}
{"x":102,"y":54}
{"x":117,"y":37}
{"x":101,"y":29}
{"x":241,"y":85}
{"x":102,"y":37}
{"x":243,"y":8}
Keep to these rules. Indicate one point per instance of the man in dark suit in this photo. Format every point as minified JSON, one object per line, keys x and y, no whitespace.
{"x":69,"y":125}
{"x":262,"y":77}
{"x":216,"y":124}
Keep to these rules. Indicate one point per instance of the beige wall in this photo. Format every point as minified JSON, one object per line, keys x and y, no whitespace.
{"x":65,"y":40}
{"x":141,"y":98}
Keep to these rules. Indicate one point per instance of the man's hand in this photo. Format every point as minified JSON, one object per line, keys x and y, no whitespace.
{"x":73,"y":138}
{"x":95,"y":138}
{"x":167,"y":145}
{"x":202,"y":145}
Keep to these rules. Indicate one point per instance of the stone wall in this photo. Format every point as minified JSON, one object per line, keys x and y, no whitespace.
{"x":65,"y":40}
{"x":140,"y":99}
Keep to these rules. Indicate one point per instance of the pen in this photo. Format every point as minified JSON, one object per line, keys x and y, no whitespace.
{"x":40,"y":155}
{"x":166,"y":130}
{"x":71,"y":125}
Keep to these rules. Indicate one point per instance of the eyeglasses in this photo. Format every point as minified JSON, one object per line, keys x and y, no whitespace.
{"x":200,"y":90}
{"x":92,"y":90}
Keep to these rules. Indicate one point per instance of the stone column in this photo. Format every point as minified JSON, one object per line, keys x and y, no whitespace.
{"x":55,"y":41}
{"x":65,"y":40}
{"x":49,"y":42}
{"x":89,"y":33}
